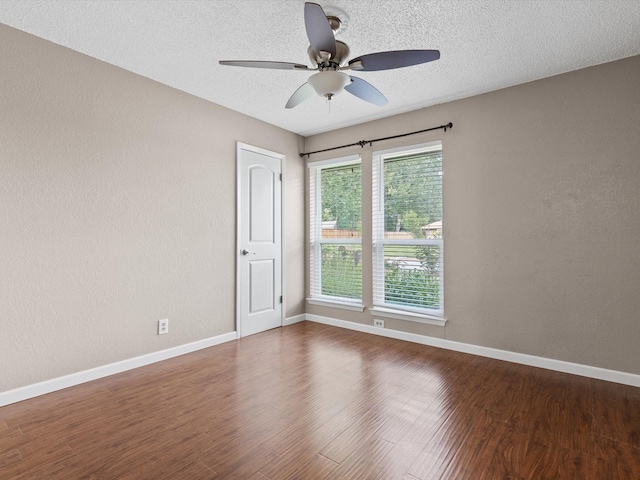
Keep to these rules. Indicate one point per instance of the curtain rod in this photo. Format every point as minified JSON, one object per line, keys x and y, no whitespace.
{"x":362,"y":143}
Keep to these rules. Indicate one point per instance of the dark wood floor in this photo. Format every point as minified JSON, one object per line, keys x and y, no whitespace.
{"x":310,"y":402}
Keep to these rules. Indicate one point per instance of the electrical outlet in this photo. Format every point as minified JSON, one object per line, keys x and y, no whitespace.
{"x":378,"y":323}
{"x":163,"y":326}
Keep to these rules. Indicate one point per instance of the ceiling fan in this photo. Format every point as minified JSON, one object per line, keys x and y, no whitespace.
{"x":329,"y":54}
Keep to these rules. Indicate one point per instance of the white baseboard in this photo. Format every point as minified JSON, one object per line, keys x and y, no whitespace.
{"x":48,"y":386}
{"x":514,"y":357}
{"x":295,"y":319}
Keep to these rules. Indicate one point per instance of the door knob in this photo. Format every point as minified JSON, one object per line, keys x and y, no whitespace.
{"x":245,"y":251}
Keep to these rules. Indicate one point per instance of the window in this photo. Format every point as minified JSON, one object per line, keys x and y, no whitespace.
{"x":407,"y":230}
{"x":336,"y":240}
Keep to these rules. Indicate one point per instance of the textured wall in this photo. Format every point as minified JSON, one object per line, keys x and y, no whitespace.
{"x":541,"y":202}
{"x":117,"y":208}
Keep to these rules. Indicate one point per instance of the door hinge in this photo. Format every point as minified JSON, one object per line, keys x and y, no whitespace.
{"x":280,"y":177}
{"x":280,"y":298}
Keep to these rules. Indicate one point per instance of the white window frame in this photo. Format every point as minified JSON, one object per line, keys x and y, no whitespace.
{"x":380,"y":307}
{"x":316,"y":240}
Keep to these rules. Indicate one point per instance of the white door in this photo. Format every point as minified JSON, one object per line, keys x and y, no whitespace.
{"x":259,"y":252}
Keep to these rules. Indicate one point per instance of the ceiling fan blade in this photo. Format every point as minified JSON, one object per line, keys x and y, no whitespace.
{"x":300,"y":95}
{"x":393,"y":59}
{"x":319,"y":31}
{"x":262,"y":64}
{"x":366,"y":92}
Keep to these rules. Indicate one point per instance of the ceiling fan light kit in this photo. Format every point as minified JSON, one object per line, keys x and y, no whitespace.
{"x":329,"y":83}
{"x":329,"y":55}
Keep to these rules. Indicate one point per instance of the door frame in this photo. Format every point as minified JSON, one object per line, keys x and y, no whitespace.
{"x":245,"y":146}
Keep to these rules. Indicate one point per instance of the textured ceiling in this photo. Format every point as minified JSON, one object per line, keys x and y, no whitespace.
{"x":484,"y":45}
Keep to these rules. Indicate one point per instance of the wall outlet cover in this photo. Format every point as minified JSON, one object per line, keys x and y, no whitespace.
{"x":163,"y":326}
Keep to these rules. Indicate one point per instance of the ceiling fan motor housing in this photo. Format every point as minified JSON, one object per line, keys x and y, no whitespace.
{"x":342,"y":53}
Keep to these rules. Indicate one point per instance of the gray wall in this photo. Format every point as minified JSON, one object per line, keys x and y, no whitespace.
{"x":541,"y":215}
{"x":117,"y":208}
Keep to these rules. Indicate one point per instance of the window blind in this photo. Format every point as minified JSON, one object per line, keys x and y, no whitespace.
{"x":335,"y":191}
{"x":408,"y":229}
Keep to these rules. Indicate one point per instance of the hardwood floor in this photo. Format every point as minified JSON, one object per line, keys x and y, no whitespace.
{"x":310,"y":401}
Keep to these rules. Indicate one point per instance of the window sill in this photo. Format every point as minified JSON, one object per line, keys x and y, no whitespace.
{"x":409,"y":316}
{"x":325,"y":302}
